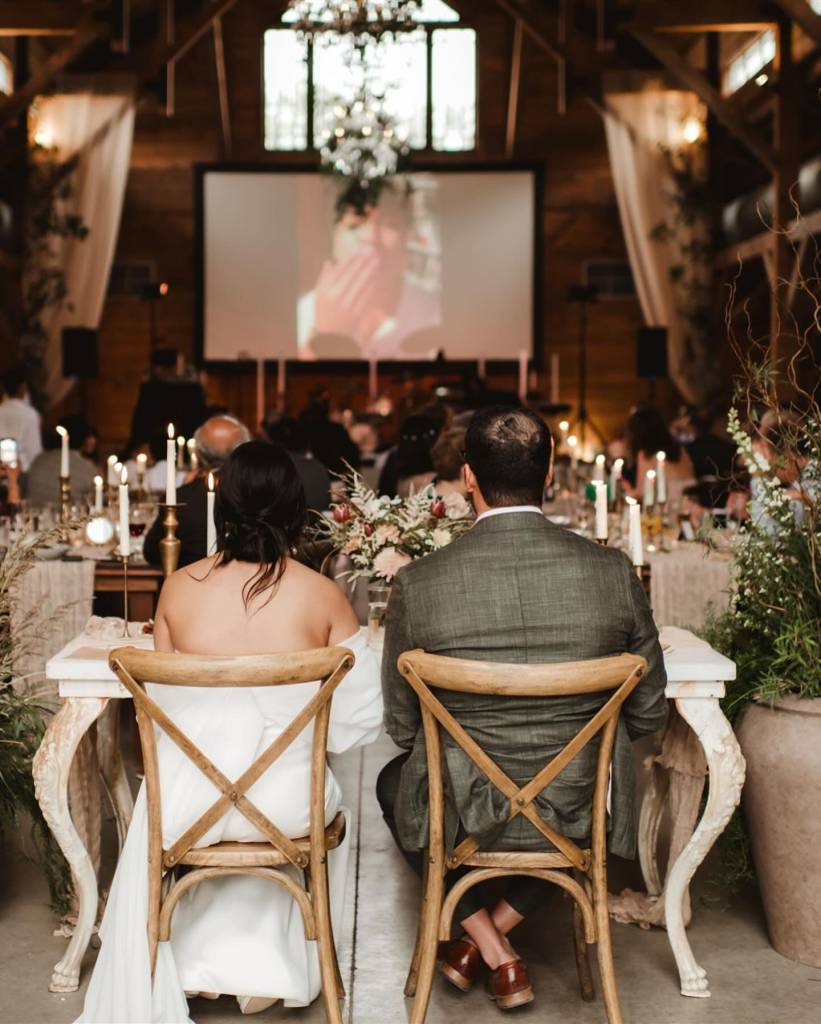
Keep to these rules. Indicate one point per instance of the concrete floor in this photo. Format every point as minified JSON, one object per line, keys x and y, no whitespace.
{"x":751,"y":984}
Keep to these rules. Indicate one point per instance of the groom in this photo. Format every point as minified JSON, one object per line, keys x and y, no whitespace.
{"x":516,"y":588}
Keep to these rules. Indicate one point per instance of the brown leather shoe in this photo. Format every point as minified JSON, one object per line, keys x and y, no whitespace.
{"x":510,"y":985}
{"x":460,"y":963}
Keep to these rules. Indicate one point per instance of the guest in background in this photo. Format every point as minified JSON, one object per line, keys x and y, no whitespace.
{"x":327,"y":440}
{"x":216,"y":439}
{"x":409,"y":467}
{"x":42,"y":482}
{"x":647,"y":434}
{"x":448,"y":457}
{"x":713,"y":456}
{"x":168,"y":396}
{"x":290,"y":434}
{"x":364,"y":432}
{"x":18,"y":418}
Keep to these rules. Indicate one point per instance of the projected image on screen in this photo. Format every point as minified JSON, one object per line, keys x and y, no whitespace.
{"x":381,"y":282}
{"x":447,"y":267}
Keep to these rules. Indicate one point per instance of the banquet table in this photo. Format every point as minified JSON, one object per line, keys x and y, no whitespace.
{"x":687,"y":583}
{"x":696,"y":677}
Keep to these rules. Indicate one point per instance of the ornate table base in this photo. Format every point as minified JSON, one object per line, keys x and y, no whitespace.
{"x":68,"y":792}
{"x":698,"y":741}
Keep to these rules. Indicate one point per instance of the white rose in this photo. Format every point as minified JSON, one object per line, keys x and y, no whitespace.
{"x":441,"y":537}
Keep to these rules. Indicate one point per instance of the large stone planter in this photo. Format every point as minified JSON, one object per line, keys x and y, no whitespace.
{"x":782,"y":804}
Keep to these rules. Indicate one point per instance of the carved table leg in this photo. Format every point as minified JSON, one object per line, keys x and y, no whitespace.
{"x":113,"y":770}
{"x":726,"y":768}
{"x":51,"y":771}
{"x":652,"y":809}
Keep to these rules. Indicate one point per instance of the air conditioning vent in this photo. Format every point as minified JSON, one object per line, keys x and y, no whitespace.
{"x":128,"y":279}
{"x":611,"y":279}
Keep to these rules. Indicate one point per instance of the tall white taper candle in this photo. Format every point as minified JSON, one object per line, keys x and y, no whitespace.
{"x":649,"y":498}
{"x":634,"y":532}
{"x":171,"y":468}
{"x":661,"y":477}
{"x":598,"y":468}
{"x":98,"y":494}
{"x":125,"y":535}
{"x":210,"y":525}
{"x":601,"y":510}
{"x":64,"y":471}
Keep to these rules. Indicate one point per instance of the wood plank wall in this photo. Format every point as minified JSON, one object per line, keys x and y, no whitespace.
{"x":580,"y":219}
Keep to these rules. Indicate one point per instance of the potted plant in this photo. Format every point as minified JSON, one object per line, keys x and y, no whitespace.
{"x":772,"y":631}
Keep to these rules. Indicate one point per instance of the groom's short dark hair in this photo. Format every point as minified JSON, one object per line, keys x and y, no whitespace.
{"x":508,"y":450}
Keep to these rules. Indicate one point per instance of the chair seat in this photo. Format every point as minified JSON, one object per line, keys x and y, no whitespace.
{"x":521,"y":859}
{"x":234,"y":855}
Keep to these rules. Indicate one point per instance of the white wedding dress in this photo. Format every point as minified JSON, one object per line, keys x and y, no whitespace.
{"x":237,"y":935}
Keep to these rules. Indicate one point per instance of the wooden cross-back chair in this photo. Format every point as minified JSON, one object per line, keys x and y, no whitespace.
{"x":568,"y":862}
{"x":328,"y":666}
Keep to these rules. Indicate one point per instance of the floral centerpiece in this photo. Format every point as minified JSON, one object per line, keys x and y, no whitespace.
{"x":380,"y":534}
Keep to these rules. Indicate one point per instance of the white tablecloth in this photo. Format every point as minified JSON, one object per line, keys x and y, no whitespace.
{"x":686,"y":584}
{"x":52,"y":605}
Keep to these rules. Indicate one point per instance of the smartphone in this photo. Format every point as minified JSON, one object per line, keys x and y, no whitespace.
{"x":8,"y":451}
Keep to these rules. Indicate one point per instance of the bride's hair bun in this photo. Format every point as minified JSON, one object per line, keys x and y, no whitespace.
{"x":259,"y":512}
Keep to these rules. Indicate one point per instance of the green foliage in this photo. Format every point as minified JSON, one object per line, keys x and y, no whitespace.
{"x":23,"y":719}
{"x":50,"y":189}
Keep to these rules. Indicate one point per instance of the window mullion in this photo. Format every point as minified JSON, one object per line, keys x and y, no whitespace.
{"x":310,"y":142}
{"x":429,"y":87}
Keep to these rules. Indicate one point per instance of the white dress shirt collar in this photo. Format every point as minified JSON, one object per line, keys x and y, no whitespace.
{"x":505,"y":509}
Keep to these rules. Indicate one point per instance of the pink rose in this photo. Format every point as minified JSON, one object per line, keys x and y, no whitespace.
{"x":341,"y":513}
{"x":437,"y":509}
{"x":368,"y":530}
{"x":388,"y":562}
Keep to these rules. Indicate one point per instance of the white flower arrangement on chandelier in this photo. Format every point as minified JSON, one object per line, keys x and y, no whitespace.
{"x":363,"y":145}
{"x":358,"y":18}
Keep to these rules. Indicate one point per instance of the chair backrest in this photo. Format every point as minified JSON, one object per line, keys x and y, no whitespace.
{"x":618,"y":675}
{"x":328,"y":666}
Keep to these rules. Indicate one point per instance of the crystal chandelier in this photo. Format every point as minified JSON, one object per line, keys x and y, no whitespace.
{"x":357,"y":18}
{"x":362,"y":144}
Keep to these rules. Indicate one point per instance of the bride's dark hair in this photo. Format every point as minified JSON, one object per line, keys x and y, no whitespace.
{"x":259,"y":513}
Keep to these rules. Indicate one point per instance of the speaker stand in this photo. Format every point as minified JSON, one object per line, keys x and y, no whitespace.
{"x":582,"y":297}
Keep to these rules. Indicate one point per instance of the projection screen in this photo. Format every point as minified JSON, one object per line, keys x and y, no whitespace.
{"x":447,"y":267}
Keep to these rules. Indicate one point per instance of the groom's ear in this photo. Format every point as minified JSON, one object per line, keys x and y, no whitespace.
{"x":469,"y":479}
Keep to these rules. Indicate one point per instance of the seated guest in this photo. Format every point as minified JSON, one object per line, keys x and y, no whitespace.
{"x":216,"y":439}
{"x":516,"y":588}
{"x":713,"y":456}
{"x":364,"y":432}
{"x":410,"y":468}
{"x":448,"y":457}
{"x":290,"y":434}
{"x":18,"y":418}
{"x":647,"y":434}
{"x":328,"y":440}
{"x":240,"y":935}
{"x":42,"y":482}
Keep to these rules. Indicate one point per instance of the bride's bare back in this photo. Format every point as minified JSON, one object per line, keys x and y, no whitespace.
{"x":201,"y":611}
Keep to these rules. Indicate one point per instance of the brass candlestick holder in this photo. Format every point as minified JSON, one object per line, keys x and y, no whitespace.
{"x":124,"y":560}
{"x":170,"y":543}
{"x":65,"y":499}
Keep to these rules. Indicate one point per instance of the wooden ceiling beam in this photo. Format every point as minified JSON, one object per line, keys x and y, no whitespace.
{"x":40,"y":17}
{"x":87,"y":33}
{"x":801,"y":13}
{"x":691,"y":78}
{"x":698,"y":16}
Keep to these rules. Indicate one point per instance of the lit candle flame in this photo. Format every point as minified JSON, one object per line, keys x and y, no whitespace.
{"x":599,"y":460}
{"x":661,"y":456}
{"x":62,"y":431}
{"x":98,"y":481}
{"x":170,"y":430}
{"x":124,"y":476}
{"x":210,"y":481}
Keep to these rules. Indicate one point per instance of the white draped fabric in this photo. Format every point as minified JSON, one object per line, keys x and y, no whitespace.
{"x":639,"y":126}
{"x":238,"y":935}
{"x":100,"y":128}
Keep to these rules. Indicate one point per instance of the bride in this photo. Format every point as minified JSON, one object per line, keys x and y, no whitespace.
{"x":237,"y":935}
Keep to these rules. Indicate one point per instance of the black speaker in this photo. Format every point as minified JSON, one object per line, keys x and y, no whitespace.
{"x":79,"y":352}
{"x":651,"y":353}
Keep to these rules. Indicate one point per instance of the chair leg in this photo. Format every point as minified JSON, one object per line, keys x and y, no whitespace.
{"x":340,"y":984}
{"x":582,"y":958}
{"x":428,"y":942}
{"x":607,"y":970}
{"x":413,"y":973}
{"x":328,"y":968}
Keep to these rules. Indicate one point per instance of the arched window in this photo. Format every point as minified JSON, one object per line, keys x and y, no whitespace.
{"x":427,"y":77}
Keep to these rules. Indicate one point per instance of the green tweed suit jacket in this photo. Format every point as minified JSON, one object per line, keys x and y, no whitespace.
{"x":517,"y":588}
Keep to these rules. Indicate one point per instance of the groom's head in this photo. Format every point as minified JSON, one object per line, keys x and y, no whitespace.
{"x":508,"y":457}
